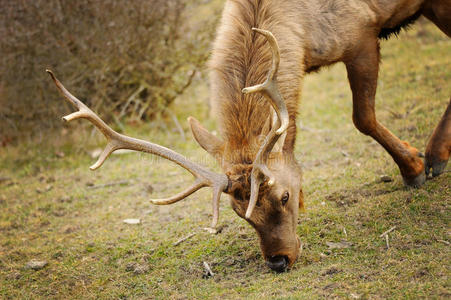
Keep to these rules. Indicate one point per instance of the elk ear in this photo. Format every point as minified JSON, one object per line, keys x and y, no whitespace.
{"x":205,"y":139}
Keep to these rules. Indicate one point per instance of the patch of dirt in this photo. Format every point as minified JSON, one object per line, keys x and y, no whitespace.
{"x":349,"y":197}
{"x":331,"y":271}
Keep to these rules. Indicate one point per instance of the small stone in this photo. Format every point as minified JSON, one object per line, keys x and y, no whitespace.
{"x":386,"y":178}
{"x":36,"y":264}
{"x":339,"y":245}
{"x":132,"y":221}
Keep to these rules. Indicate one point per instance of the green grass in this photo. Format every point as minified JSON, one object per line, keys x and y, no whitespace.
{"x":79,"y":230}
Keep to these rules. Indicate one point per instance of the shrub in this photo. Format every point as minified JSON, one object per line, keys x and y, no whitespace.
{"x":123,"y":58}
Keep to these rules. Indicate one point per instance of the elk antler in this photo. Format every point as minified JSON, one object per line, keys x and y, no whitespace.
{"x":270,"y":90}
{"x":204,"y":177}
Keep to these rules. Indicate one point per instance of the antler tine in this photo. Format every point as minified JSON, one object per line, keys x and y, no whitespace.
{"x":85,"y":112}
{"x":269,"y":87}
{"x":261,"y":170}
{"x":270,"y":90}
{"x":180,"y":196}
{"x":204,"y":177}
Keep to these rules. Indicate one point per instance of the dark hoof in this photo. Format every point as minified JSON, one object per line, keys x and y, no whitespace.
{"x":437,"y":168}
{"x":415,"y":182}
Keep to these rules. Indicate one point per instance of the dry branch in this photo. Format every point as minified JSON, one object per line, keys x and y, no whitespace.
{"x":388,"y":231}
{"x":184,"y":239}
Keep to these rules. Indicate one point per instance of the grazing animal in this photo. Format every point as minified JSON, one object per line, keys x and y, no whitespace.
{"x":271,"y":46}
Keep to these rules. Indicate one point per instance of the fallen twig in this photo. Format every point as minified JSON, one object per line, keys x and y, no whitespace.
{"x":386,"y":241}
{"x":444,"y":242}
{"x":388,"y":231}
{"x":184,"y":239}
{"x":208,"y":269}
{"x":122,"y":182}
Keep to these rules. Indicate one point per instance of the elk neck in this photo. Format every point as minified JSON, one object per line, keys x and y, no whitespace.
{"x":242,"y":58}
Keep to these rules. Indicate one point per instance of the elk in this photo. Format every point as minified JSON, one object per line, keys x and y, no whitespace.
{"x":262,"y":51}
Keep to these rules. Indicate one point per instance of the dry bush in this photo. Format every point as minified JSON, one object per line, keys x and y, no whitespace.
{"x":123,"y":58}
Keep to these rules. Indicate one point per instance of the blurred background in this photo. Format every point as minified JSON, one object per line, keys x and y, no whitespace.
{"x":127,"y":60}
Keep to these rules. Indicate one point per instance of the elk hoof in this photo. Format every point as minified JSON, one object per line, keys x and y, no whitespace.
{"x":437,"y":167}
{"x":416,"y":181}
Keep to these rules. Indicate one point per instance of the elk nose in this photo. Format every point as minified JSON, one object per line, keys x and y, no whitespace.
{"x":278,"y":263}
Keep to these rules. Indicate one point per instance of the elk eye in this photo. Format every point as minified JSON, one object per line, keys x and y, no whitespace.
{"x":285,"y":198}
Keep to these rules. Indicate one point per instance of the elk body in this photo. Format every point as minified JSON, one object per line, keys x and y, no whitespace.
{"x":256,"y":77}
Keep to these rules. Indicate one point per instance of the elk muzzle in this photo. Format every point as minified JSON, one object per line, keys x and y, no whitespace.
{"x":278,"y":263}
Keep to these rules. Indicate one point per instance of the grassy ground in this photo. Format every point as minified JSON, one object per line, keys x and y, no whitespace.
{"x":49,"y":209}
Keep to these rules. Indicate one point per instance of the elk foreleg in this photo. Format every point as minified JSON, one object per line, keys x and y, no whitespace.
{"x":438,"y":149}
{"x":363,"y":68}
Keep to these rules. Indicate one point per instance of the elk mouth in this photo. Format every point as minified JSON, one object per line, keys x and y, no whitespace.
{"x":278,"y":263}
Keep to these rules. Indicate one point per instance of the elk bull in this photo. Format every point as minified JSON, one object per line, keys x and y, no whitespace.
{"x":257,"y":123}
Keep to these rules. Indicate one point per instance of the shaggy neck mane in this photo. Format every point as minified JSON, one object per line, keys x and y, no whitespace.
{"x":242,"y":58}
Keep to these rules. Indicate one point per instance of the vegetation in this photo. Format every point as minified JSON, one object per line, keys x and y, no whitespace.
{"x":123,"y":58}
{"x":53,"y":208}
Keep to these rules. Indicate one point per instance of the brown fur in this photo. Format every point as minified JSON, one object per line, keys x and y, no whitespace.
{"x":311,"y":34}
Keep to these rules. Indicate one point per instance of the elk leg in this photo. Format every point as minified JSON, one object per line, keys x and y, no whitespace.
{"x":439,"y":12}
{"x":438,"y":149}
{"x":363,"y":70}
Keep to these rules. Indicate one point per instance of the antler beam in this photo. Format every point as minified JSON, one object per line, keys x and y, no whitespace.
{"x":271,"y":91}
{"x":115,"y":141}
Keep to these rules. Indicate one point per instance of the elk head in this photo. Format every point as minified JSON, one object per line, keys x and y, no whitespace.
{"x":267,"y":192}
